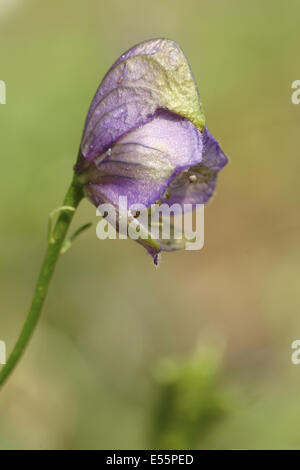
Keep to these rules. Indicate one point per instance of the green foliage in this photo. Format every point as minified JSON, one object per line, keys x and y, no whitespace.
{"x":190,"y":401}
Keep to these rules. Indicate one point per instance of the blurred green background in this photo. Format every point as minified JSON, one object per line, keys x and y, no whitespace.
{"x":197,"y":353}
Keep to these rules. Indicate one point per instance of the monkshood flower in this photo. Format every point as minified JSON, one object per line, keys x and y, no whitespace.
{"x":144,"y":140}
{"x":145,"y":136}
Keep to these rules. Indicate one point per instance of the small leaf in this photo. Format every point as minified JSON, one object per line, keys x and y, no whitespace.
{"x":68,"y":243}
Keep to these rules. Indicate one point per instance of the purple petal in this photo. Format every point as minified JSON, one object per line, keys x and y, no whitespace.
{"x":197,"y":184}
{"x":143,"y":162}
{"x":150,"y":76}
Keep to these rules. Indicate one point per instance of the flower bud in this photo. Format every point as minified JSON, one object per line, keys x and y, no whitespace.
{"x":145,"y":136}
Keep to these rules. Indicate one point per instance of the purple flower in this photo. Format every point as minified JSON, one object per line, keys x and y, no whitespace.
{"x":145,"y":136}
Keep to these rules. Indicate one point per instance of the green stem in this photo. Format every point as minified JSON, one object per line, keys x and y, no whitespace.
{"x":72,"y":199}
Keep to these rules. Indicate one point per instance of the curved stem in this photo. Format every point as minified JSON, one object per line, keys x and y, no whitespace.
{"x":72,"y":199}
